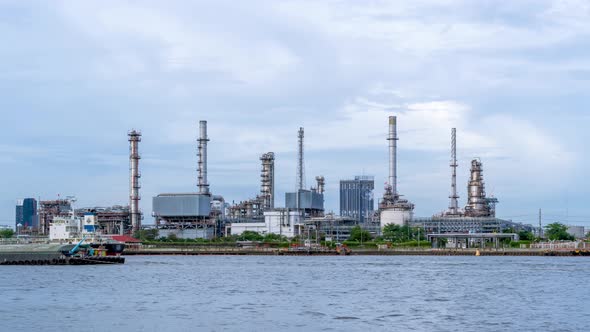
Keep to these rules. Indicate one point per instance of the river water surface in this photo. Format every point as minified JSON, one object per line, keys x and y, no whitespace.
{"x":277,"y":293}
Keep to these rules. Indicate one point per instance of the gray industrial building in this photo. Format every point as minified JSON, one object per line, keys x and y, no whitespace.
{"x":356,"y":198}
{"x":310,"y":201}
{"x":189,"y":215}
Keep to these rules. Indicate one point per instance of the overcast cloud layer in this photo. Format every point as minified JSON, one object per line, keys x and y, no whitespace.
{"x":512,"y":76}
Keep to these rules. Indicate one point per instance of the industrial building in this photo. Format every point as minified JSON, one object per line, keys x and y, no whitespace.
{"x":27,"y":219}
{"x":285,"y":222}
{"x":50,"y":209}
{"x":310,"y":202}
{"x":261,"y":216}
{"x":190,"y":215}
{"x":479,"y":214}
{"x":110,"y":220}
{"x":252,"y":210}
{"x":356,"y":198}
{"x":577,"y":232}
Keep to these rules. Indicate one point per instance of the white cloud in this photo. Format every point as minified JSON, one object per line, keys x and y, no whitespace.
{"x":421,"y":28}
{"x":137,"y":35}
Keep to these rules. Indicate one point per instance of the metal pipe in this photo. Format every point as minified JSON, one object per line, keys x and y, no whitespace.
{"x":202,"y":156}
{"x":134,"y":139}
{"x":392,"y":138}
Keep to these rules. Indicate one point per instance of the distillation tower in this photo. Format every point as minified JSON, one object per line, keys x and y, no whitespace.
{"x":134,"y":175}
{"x":267,"y":181}
{"x":478,"y":205}
{"x":321,"y":184}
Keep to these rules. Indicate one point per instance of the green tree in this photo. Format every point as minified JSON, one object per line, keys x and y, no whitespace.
{"x":557,"y":231}
{"x":250,"y":236}
{"x":394,"y":233}
{"x":526,"y":235}
{"x":146,"y":234}
{"x":172,"y":237}
{"x":6,"y":233}
{"x":359,"y":234}
{"x":397,"y":233}
{"x":271,"y":237}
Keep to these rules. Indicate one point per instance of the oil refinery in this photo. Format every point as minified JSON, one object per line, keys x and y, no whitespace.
{"x":207,"y":215}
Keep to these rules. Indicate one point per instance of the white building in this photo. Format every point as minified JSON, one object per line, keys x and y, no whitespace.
{"x":72,"y":228}
{"x":64,"y":228}
{"x":282,"y":222}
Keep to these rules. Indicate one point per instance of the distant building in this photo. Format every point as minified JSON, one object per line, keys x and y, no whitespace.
{"x":356,"y":198}
{"x":26,"y":213}
{"x":576,"y":231}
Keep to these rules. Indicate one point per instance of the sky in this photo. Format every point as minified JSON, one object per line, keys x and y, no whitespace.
{"x":513,"y":77}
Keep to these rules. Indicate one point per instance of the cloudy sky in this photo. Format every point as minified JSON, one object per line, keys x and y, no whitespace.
{"x":512,"y":76}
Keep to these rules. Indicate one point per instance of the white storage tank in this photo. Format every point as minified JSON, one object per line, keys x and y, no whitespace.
{"x":395,"y":216}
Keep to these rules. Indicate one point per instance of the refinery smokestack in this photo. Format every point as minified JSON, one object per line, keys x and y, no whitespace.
{"x":267,"y":180}
{"x":134,"y":139}
{"x":454,"y":205}
{"x":392,"y":138}
{"x":202,"y":155}
{"x":300,"y":162}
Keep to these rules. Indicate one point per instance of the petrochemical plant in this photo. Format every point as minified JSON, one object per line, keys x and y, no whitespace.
{"x":202,"y":214}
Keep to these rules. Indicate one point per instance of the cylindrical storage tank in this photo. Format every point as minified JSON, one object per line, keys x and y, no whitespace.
{"x":395,"y":216}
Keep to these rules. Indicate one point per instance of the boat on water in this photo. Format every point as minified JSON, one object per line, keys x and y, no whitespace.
{"x":69,"y":230}
{"x":56,"y":254}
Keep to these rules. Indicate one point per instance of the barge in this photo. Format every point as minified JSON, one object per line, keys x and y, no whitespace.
{"x":55,"y":254}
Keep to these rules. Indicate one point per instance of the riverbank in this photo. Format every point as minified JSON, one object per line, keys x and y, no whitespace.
{"x":201,"y":250}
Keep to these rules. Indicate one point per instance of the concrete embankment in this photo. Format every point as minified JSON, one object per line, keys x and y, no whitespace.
{"x":201,"y":250}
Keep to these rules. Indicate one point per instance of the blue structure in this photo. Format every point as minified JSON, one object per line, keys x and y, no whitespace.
{"x":26,"y":213}
{"x":356,"y":198}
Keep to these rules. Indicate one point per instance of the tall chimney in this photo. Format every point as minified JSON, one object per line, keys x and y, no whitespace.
{"x":202,"y":155}
{"x":300,"y":162}
{"x":454,"y":205}
{"x":392,"y":138}
{"x":134,"y":139}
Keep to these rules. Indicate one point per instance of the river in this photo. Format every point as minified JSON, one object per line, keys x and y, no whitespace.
{"x":282,"y":293}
